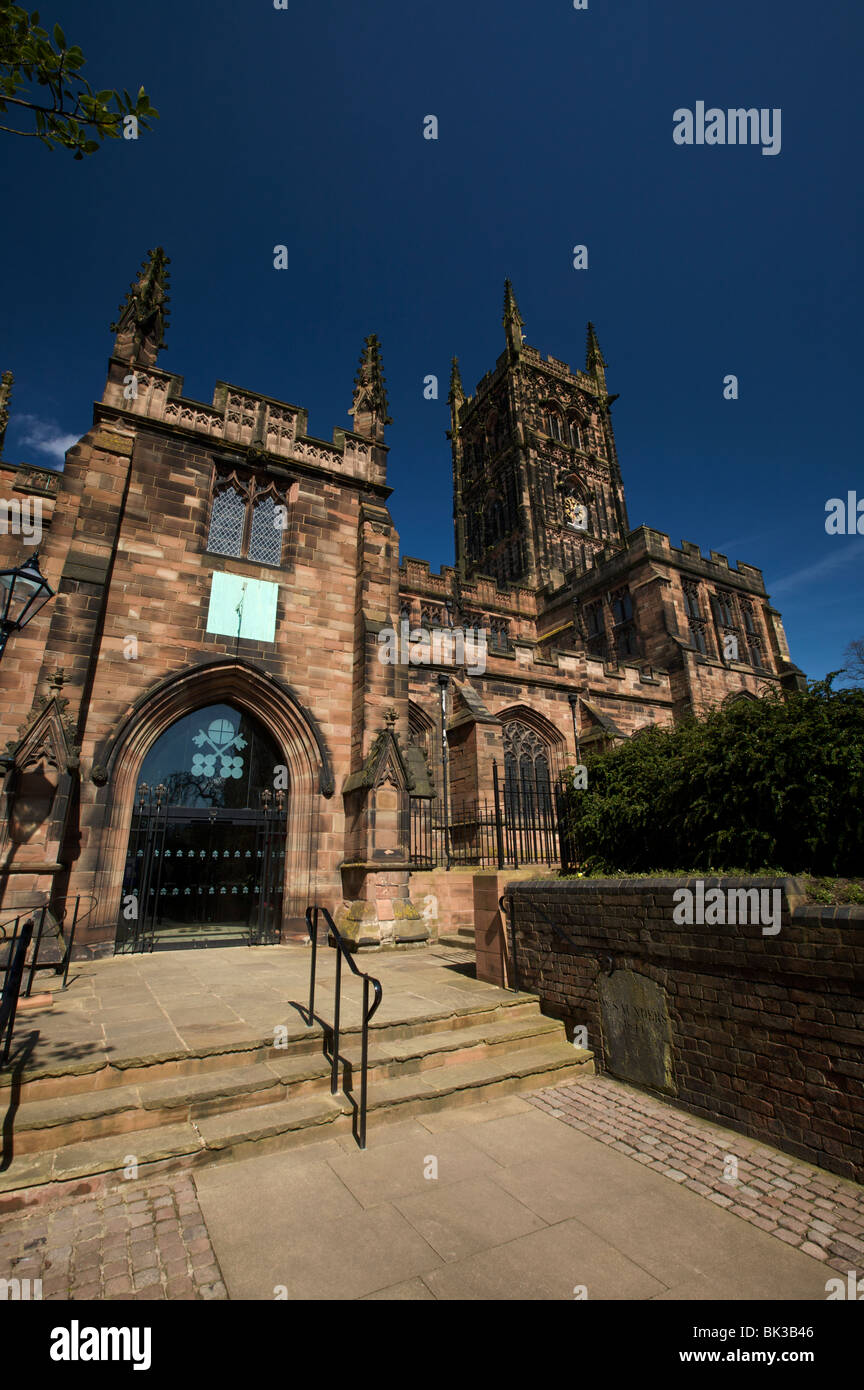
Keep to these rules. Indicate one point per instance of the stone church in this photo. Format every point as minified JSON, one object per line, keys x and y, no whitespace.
{"x":239,"y":700}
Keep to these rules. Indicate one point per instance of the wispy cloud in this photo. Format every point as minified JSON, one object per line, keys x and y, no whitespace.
{"x":44,"y":436}
{"x":731,"y":548}
{"x":841,"y":557}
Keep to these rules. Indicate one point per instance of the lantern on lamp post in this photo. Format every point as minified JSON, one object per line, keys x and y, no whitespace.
{"x":23,"y":591}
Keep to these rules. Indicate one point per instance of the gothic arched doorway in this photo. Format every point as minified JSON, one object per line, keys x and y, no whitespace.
{"x":205,"y":862}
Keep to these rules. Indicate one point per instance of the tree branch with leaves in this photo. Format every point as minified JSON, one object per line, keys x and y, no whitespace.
{"x":43,"y":92}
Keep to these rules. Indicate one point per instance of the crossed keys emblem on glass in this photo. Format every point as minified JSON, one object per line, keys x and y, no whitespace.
{"x":222,"y":738}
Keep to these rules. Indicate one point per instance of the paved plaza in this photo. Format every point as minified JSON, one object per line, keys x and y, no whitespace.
{"x":495,"y":1201}
{"x":588,"y":1188}
{"x":143,"y":1008}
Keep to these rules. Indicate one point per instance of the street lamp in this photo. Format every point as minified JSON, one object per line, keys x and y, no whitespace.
{"x":23,"y":591}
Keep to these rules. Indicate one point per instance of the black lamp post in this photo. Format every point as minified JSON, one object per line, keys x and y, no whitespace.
{"x":23,"y":591}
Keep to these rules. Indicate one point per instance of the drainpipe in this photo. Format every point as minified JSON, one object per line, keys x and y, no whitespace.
{"x":443,"y":683}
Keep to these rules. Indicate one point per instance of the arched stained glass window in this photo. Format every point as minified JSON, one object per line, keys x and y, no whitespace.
{"x":218,"y":757}
{"x":265,"y":537}
{"x":226,"y":523}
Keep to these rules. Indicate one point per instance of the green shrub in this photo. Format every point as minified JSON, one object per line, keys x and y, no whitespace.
{"x":779,"y":780}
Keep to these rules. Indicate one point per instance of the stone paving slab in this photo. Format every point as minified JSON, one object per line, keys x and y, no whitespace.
{"x":496,"y":1200}
{"x":539,"y":1211}
{"x":145,"y":1008}
{"x":805,"y":1207}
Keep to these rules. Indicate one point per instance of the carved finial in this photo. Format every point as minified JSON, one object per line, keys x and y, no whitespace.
{"x":594,"y":363}
{"x":456,"y":396}
{"x":369,"y":407}
{"x":57,"y":681}
{"x":512,"y":319}
{"x":140,"y":326}
{"x":390,"y":717}
{"x":5,"y":397}
{"x":456,"y":391}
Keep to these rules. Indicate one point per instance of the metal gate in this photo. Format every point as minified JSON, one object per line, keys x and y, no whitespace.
{"x":197,"y":877}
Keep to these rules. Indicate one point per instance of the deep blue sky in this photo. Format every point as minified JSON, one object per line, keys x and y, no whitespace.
{"x":304,"y":127}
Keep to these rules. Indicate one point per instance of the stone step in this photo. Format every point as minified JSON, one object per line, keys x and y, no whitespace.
{"x":463,"y":938}
{"x":91,"y":1115}
{"x":260,"y":1128}
{"x":84,"y":1076}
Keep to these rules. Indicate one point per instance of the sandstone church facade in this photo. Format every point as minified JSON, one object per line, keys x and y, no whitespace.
{"x":201,"y":735}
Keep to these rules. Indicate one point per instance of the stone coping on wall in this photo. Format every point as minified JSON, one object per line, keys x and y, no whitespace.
{"x":794,"y":891}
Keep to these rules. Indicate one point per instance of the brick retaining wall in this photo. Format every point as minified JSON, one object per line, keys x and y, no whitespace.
{"x":766,"y":1032}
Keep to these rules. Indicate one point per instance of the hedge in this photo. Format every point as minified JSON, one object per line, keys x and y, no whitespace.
{"x":775,"y":781}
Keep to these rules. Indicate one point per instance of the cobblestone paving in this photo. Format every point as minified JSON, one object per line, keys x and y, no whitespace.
{"x":135,"y":1241}
{"x":806,"y":1207}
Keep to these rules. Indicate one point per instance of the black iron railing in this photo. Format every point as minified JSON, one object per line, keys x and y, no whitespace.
{"x":518,"y":825}
{"x":53,"y":915}
{"x":332,"y":1031}
{"x":192,"y":873}
{"x":12,"y":984}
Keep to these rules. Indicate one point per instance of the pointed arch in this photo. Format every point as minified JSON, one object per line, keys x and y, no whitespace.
{"x":227,"y":518}
{"x":524,"y":714}
{"x":738,"y":696}
{"x":423,"y":733}
{"x":275,"y":706}
{"x":40,"y":772}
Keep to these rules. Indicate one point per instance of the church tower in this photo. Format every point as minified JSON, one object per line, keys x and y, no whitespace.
{"x":537,"y":487}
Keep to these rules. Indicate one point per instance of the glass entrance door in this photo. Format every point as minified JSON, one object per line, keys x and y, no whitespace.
{"x":203,"y":879}
{"x":206,"y":858}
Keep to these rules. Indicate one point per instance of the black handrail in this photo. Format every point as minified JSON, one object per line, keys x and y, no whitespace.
{"x":43,"y":909}
{"x":343,"y":949}
{"x":510,"y":919}
{"x":12,"y":985}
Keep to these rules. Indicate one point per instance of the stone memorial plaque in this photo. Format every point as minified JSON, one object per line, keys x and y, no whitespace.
{"x":637,"y":1036}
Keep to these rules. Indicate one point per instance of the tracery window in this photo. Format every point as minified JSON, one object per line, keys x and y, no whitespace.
{"x":595,"y":628}
{"x":626,"y":643}
{"x":227,"y":520}
{"x":431,"y":616}
{"x":728,"y":630}
{"x":553,"y":423}
{"x":726,"y":608}
{"x":695,"y":618}
{"x":246,"y":521}
{"x":494,"y":430}
{"x":499,"y":635}
{"x":265,"y":535}
{"x":622,"y":606}
{"x":691,"y":601}
{"x":527,"y":780}
{"x":575,"y":434}
{"x":751,"y":634}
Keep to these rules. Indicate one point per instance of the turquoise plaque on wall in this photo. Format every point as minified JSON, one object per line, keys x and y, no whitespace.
{"x":241,"y":607}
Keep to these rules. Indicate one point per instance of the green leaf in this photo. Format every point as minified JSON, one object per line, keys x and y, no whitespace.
{"x":59,"y":36}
